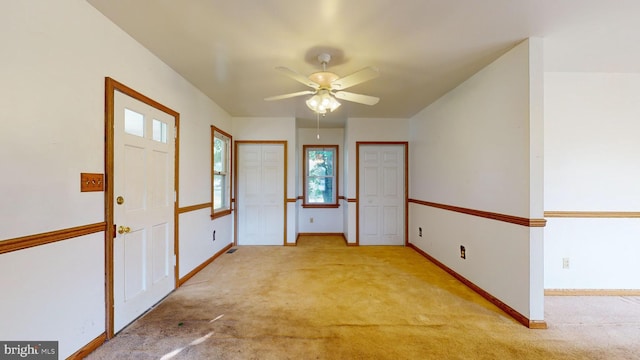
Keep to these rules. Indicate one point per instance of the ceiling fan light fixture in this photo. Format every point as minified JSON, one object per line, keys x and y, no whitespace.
{"x":328,"y":87}
{"x":322,"y":101}
{"x":333,"y":103}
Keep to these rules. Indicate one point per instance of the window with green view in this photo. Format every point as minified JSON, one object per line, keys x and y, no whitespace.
{"x":221,"y":174}
{"x":321,"y":177}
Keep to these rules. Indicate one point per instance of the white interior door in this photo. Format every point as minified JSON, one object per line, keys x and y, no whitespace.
{"x":260,"y":199}
{"x":381,"y":194}
{"x":144,"y":162}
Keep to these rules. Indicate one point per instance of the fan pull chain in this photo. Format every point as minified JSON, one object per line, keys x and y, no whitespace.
{"x":317,"y":126}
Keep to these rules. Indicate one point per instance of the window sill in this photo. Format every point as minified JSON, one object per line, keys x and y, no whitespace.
{"x":321,"y":206}
{"x":220,"y":214}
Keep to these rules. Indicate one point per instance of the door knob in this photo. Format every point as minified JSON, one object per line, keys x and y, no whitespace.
{"x":123,"y":229}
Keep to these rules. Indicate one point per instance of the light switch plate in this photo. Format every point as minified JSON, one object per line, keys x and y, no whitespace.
{"x":91,"y":182}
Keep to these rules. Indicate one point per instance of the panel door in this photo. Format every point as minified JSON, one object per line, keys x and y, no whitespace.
{"x":381,"y":195}
{"x":144,"y":161}
{"x":260,"y":199}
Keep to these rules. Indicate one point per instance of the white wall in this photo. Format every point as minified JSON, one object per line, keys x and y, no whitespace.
{"x":54,"y":60}
{"x":195,"y":228}
{"x":54,"y":292}
{"x":472,"y":148}
{"x":324,"y":220}
{"x":197,"y":244}
{"x":591,"y":151}
{"x":475,"y":140}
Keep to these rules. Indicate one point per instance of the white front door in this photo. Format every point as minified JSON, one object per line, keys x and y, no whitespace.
{"x":260,"y":198}
{"x":381,"y":194}
{"x":144,"y":161}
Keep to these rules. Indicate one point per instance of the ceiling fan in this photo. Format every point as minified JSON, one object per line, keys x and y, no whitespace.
{"x":328,"y":86}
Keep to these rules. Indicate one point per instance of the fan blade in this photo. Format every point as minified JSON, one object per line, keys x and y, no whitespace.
{"x":286,"y":96}
{"x":356,"y":78}
{"x":297,"y":77}
{"x":359,"y":98}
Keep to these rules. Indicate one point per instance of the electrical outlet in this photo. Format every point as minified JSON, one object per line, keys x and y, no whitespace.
{"x":565,"y":263}
{"x":420,"y":231}
{"x":311,"y":220}
{"x":463,"y":252}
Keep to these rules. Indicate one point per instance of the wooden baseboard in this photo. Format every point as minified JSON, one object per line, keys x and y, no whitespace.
{"x":203,"y":265}
{"x":538,"y":325}
{"x":592,"y":292}
{"x":89,"y":348}
{"x":531,"y":324}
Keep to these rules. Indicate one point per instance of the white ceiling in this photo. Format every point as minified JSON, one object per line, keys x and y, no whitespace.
{"x":423,"y":48}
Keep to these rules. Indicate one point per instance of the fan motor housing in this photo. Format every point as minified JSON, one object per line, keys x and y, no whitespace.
{"x":324,"y":78}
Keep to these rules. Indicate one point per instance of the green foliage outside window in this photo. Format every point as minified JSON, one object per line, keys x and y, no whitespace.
{"x":320,"y":179}
{"x":221,"y":174}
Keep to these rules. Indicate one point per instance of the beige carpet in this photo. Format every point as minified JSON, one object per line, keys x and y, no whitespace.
{"x":323,"y":300}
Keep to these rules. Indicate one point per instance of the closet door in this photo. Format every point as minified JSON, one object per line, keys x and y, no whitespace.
{"x":381,"y":196}
{"x":260,"y":195}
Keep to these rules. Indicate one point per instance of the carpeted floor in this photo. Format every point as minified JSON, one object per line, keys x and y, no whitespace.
{"x":324,"y":300}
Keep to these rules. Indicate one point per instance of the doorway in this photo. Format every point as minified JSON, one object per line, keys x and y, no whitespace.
{"x":381,"y":187}
{"x":141,"y":199}
{"x":260,"y":193}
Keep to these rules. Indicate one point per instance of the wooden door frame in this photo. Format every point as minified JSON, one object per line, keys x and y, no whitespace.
{"x":235,"y":182}
{"x":405,"y":144}
{"x":111,"y":86}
